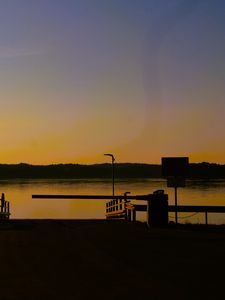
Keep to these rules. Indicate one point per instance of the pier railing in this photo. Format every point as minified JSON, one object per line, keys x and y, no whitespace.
{"x":4,"y":208}
{"x":206,"y":209}
{"x":157,"y":208}
{"x":115,"y":209}
{"x":120,"y":206}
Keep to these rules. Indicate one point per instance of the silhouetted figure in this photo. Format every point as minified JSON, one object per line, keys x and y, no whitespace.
{"x":2,"y":202}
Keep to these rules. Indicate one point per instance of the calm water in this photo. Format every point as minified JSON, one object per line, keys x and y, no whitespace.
{"x":19,"y":192}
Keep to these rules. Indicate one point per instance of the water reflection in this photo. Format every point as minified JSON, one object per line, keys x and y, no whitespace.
{"x":18,"y":192}
{"x":206,"y":184}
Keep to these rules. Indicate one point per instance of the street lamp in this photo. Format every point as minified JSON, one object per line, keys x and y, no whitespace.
{"x":113,"y":159}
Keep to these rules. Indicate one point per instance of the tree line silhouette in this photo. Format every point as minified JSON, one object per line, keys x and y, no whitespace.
{"x":122,"y":170}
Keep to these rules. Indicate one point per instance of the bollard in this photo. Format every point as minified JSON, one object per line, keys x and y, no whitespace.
{"x":129,"y":215}
{"x":157,"y":209}
{"x":134,"y":215}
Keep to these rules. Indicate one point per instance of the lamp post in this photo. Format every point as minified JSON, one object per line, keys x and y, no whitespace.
{"x":113,"y":160}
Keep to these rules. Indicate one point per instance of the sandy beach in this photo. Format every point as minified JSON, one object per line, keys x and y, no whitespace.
{"x":99,"y":259}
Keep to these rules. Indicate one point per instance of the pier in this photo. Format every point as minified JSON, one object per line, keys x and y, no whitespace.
{"x":157,"y":208}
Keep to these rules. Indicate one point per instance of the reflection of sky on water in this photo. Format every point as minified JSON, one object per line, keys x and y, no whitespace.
{"x":206,"y":184}
{"x":18,"y":192}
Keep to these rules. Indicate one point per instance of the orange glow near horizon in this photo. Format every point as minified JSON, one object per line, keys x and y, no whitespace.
{"x":88,"y":79}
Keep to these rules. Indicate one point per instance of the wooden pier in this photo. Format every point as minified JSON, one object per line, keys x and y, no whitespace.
{"x":121,"y":207}
{"x":131,"y":210}
{"x":118,"y":207}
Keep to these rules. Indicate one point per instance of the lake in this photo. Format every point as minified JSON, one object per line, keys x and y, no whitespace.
{"x":19,"y":192}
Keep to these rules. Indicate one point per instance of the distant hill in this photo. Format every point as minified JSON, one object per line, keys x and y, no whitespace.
{"x":123,"y":170}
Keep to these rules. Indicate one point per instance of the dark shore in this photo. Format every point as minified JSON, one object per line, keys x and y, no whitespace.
{"x":99,"y":259}
{"x":203,"y":171}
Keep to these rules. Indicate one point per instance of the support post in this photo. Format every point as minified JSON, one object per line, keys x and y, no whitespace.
{"x":176,"y":218}
{"x":113,"y":177}
{"x":148,"y":213}
{"x":206,"y":218}
{"x":134,"y":215}
{"x":129,"y":215}
{"x":3,"y":202}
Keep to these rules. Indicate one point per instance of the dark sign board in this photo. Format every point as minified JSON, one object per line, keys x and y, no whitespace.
{"x":175,"y":166}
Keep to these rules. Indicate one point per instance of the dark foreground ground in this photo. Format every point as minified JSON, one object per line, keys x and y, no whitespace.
{"x":57,"y":259}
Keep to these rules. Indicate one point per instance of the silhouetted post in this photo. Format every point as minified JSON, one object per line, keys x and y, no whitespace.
{"x":175,"y":189}
{"x":125,"y":208}
{"x":2,"y":202}
{"x":148,"y":211}
{"x":134,"y":215}
{"x":129,"y":215}
{"x":175,"y":169}
{"x":206,"y":218}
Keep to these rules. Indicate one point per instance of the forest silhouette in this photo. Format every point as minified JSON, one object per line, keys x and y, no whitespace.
{"x":122,"y":170}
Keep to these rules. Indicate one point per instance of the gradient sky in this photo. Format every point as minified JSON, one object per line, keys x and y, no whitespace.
{"x":141,"y":79}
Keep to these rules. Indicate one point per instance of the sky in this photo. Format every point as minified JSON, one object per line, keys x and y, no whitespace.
{"x":141,"y":79}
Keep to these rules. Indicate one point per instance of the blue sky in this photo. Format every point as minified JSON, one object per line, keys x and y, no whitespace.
{"x":140,"y":79}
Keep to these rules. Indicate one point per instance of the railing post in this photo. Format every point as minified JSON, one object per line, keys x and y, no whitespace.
{"x":176,"y":216}
{"x":129,"y":215}
{"x":148,"y":212}
{"x":2,"y":202}
{"x":206,"y":218}
{"x":134,"y":215}
{"x":125,"y":206}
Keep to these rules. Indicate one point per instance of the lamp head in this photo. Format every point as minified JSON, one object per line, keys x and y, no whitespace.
{"x":111,"y":155}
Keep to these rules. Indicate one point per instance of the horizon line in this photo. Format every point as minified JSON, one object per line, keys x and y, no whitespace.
{"x":105,"y":163}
